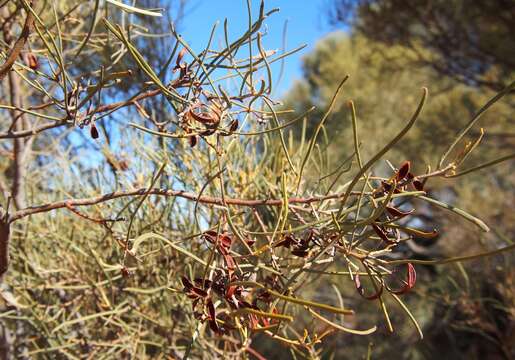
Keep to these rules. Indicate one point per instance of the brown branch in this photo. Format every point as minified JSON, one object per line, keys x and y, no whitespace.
{"x":63,"y":122}
{"x":31,"y":132}
{"x":87,"y":217}
{"x":5,"y":231}
{"x":132,"y":101}
{"x":19,"y":44}
{"x":436,"y":173}
{"x":164,"y":192}
{"x":21,"y":147}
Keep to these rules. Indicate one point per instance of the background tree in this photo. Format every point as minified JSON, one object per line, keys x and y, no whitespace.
{"x":469,"y":41}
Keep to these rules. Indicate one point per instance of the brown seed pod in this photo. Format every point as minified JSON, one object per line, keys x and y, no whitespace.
{"x":408,"y":283}
{"x":93,"y":131}
{"x":419,"y":185}
{"x":32,"y":61}
{"x":178,"y":62}
{"x":205,"y":117}
{"x":193,"y":141}
{"x":123,"y":165}
{"x":361,"y":290}
{"x":403,"y":171}
{"x":234,"y":126}
{"x":398,"y":213}
{"x":382,"y":234}
{"x":420,"y":233}
{"x":126,"y":272}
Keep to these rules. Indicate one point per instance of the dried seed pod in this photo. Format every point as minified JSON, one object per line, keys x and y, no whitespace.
{"x":419,"y":185}
{"x":287,"y":241}
{"x":123,"y":165}
{"x":178,"y":62}
{"x":212,"y":316}
{"x":386,"y":186}
{"x":230,"y":265}
{"x":193,"y":141}
{"x":420,"y":233}
{"x":126,"y":272}
{"x":398,"y":213}
{"x":32,"y":61}
{"x":300,"y":252}
{"x":409,"y":283}
{"x":403,"y":171}
{"x":382,"y":234}
{"x":93,"y":131}
{"x":206,"y":118}
{"x":234,"y":126}
{"x":361,"y":290}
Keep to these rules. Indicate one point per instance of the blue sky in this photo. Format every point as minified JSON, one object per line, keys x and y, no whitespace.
{"x":306,"y":24}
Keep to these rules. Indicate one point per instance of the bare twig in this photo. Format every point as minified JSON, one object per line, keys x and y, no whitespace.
{"x":164,"y":192}
{"x":19,"y":44}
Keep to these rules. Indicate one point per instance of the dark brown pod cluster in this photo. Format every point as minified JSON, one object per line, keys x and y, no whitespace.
{"x":300,"y":247}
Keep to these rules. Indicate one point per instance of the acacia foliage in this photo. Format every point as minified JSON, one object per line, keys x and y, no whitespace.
{"x":380,"y":89}
{"x":178,"y":216}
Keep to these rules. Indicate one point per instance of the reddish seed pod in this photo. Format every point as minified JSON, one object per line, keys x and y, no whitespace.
{"x":211,"y":309}
{"x":403,"y":170}
{"x":186,"y":283}
{"x":361,"y":290}
{"x":409,"y":283}
{"x":398,"y":213}
{"x":382,"y":234}
{"x":234,"y":126}
{"x":126,"y":272}
{"x":178,"y":61}
{"x":94,"y":131}
{"x":230,"y":292}
{"x":287,"y":241}
{"x":386,"y":186}
{"x":300,"y":252}
{"x":193,"y":141}
{"x":230,"y":265}
{"x":419,"y":185}
{"x":123,"y":165}
{"x":250,"y":242}
{"x":32,"y":61}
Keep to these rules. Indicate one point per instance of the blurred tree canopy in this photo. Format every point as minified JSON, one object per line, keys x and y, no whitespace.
{"x":383,"y":87}
{"x":470,"y":41}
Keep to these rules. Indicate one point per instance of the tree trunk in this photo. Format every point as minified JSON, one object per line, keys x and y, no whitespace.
{"x":21,"y":146}
{"x":5,"y":231}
